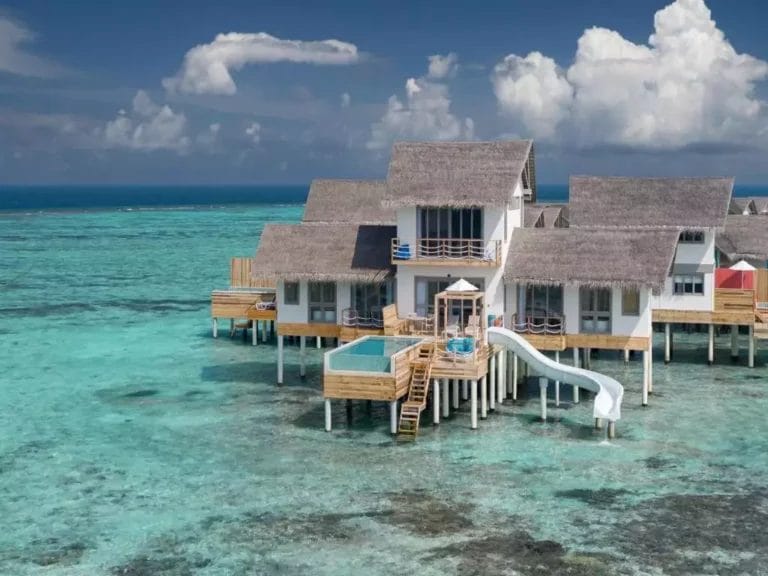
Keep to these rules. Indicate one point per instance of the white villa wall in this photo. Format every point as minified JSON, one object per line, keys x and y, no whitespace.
{"x":620,"y":325}
{"x":407,"y":225}
{"x":700,"y":254}
{"x":299,"y":313}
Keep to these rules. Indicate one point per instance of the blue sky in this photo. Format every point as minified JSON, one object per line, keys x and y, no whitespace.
{"x":116,"y":92}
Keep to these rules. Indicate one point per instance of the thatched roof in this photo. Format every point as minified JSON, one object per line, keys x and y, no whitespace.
{"x":545,"y":215}
{"x":591,"y":257}
{"x":745,"y":237}
{"x":749,"y":204}
{"x":533,"y":216}
{"x":325,"y":252}
{"x":679,"y":203}
{"x":358,"y":201}
{"x":460,"y":174}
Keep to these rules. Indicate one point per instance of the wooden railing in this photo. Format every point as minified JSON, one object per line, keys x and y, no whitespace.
{"x":525,"y":324}
{"x":350,"y":317}
{"x":447,"y":251}
{"x":733,"y":300}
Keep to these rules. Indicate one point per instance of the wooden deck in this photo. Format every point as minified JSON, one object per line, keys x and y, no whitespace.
{"x":241,"y":303}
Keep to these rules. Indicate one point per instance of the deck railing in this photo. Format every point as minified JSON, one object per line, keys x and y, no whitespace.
{"x":535,"y":324}
{"x":447,"y":250}
{"x":351,"y":318}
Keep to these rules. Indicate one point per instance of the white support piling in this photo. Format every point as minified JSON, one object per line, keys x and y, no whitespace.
{"x":465,"y":390}
{"x":455,"y":393}
{"x":483,"y":397}
{"x":319,"y":343}
{"x":264,"y":334}
{"x":435,"y":401}
{"x":711,"y":344}
{"x":751,"y":360}
{"x":509,"y":369}
{"x":667,"y":342}
{"x":576,"y":364}
{"x":645,"y":377}
{"x":444,"y":400}
{"x":254,"y":332}
{"x":473,"y":405}
{"x":612,"y":429}
{"x":215,"y":327}
{"x":598,"y":423}
{"x":500,"y":378}
{"x":302,"y":359}
{"x":557,"y":382}
{"x":393,"y":417}
{"x":543,"y":383}
{"x":492,"y":382}
{"x":327,"y":414}
{"x":626,"y":355}
{"x":231,"y":327}
{"x":734,"y":342}
{"x":515,"y":376}
{"x":280,"y":359}
{"x":650,"y":366}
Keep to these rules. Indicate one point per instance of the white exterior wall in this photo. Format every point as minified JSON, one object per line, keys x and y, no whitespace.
{"x":703,"y":254}
{"x":620,"y":325}
{"x":299,"y":314}
{"x":407,"y":225}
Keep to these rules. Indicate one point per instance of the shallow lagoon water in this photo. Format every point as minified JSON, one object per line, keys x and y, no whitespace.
{"x":133,"y":443}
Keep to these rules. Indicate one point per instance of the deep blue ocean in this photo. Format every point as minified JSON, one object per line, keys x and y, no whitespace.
{"x":34,"y":198}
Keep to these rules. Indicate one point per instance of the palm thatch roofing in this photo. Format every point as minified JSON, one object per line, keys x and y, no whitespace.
{"x":749,"y":205}
{"x":679,"y":203}
{"x":459,"y":174}
{"x":545,"y":215}
{"x":533,"y":216}
{"x":744,"y":238}
{"x":358,"y":201}
{"x":325,"y":252}
{"x":591,"y":257}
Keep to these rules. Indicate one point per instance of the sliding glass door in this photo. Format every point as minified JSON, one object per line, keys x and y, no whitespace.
{"x":595,"y":305}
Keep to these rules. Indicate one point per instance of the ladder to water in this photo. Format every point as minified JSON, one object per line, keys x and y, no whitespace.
{"x":418,"y":390}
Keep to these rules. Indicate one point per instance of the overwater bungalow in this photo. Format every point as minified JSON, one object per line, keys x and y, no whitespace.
{"x":447,"y":279}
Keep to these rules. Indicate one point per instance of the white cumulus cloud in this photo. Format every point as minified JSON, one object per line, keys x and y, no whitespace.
{"x":15,"y":59}
{"x":207,"y":68}
{"x":253,"y":132}
{"x":687,"y":86}
{"x":424,"y":115}
{"x":147,"y":126}
{"x":443,"y":66}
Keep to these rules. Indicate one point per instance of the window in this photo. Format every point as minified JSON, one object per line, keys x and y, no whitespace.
{"x":543,"y":301}
{"x":426,"y":288}
{"x":630,"y":302}
{"x":368,"y":299}
{"x":291,"y":293}
{"x":692,"y":237}
{"x":322,"y":302}
{"x":457,"y":223}
{"x":595,"y":306}
{"x":688,"y":284}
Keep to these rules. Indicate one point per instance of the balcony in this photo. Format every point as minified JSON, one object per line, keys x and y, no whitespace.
{"x":540,"y":325}
{"x":446,"y":252}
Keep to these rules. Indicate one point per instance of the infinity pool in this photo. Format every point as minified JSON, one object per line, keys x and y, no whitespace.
{"x":369,"y":354}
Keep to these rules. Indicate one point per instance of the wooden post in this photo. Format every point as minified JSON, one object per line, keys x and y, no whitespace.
{"x":543,"y":383}
{"x":626,"y":355}
{"x":711,"y":345}
{"x":254,"y":332}
{"x":327,"y":414}
{"x":650,"y":365}
{"x":515,"y":376}
{"x":215,"y":327}
{"x":444,"y":399}
{"x":576,"y":364}
{"x":734,"y":342}
{"x":435,"y":401}
{"x":473,"y":405}
{"x":598,"y":423}
{"x":393,"y":417}
{"x":612,"y":429}
{"x":264,"y":325}
{"x":319,"y":343}
{"x":231,"y":327}
{"x":645,"y":377}
{"x":751,"y":346}
{"x":302,"y":351}
{"x":483,"y":397}
{"x":465,"y":390}
{"x":557,"y":382}
{"x":500,"y":378}
{"x":667,"y":343}
{"x":510,"y":369}
{"x":455,"y":393}
{"x":280,"y":359}
{"x":492,"y":383}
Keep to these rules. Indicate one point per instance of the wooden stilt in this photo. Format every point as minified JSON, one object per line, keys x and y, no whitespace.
{"x":444,"y":400}
{"x":515,"y":376}
{"x":645,"y":377}
{"x":435,"y":401}
{"x":509,"y":369}
{"x":280,"y":359}
{"x":465,"y":390}
{"x":576,"y":364}
{"x":319,"y":343}
{"x":543,"y":383}
{"x":483,"y":397}
{"x":711,"y":344}
{"x":254,"y":332}
{"x":302,"y":359}
{"x":327,"y":414}
{"x":215,"y":327}
{"x":734,"y":342}
{"x":626,"y":356}
{"x":751,"y":360}
{"x":667,"y":343}
{"x":650,"y":366}
{"x":492,"y":382}
{"x":264,"y":327}
{"x":455,"y":393}
{"x":473,"y":405}
{"x":393,"y":417}
{"x":557,"y":382}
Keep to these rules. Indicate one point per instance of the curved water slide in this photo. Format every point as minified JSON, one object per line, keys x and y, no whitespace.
{"x":608,"y":392}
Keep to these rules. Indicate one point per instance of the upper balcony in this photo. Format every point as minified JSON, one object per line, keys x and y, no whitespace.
{"x":447,"y":252}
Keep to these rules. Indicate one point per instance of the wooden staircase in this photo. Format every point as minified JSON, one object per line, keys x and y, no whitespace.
{"x":410,"y":413}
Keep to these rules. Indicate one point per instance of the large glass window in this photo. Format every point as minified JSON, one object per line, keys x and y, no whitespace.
{"x":451,"y":223}
{"x":291,"y":295}
{"x":595,"y":304}
{"x":427,"y":288}
{"x":322,"y":302}
{"x":543,"y":301}
{"x":369,"y":299}
{"x":692,"y":237}
{"x":630,"y":302}
{"x":688,"y":284}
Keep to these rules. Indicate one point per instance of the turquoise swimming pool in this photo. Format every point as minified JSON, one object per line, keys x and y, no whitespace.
{"x":368,"y":354}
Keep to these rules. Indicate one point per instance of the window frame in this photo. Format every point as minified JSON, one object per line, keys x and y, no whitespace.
{"x":691,"y":237}
{"x":592,"y":313}
{"x":685,"y":280}
{"x":293,"y":299}
{"x":322,"y":304}
{"x":625,"y":292}
{"x":382,"y":293}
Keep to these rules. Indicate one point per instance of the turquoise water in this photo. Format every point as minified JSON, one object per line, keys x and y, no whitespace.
{"x":133,"y":443}
{"x":373,"y":354}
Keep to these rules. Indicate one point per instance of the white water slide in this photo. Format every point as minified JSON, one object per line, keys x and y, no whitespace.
{"x":608,"y":392}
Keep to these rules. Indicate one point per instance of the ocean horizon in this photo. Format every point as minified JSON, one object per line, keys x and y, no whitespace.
{"x":51,"y":198}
